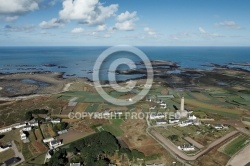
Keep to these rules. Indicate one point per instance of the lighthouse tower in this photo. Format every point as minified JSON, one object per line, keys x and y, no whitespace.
{"x":181,"y":113}
{"x":182,"y":104}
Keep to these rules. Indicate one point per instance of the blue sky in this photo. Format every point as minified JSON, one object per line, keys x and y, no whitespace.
{"x":113,"y":22}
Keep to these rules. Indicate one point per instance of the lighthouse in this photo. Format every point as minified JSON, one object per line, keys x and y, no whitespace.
{"x":182,"y":104}
{"x":181,"y":113}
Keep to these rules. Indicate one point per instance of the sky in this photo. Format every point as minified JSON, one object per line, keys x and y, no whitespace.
{"x":130,"y":22}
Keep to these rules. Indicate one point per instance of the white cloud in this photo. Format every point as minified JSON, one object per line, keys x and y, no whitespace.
{"x":203,"y":33}
{"x":77,"y":30}
{"x":24,"y":28}
{"x":126,"y":16}
{"x":126,"y":21}
{"x":11,"y":9}
{"x":150,"y":32}
{"x":90,"y":12}
{"x":18,"y":6}
{"x":228,"y":24}
{"x":101,"y":27}
{"x":202,"y":30}
{"x":53,"y":23}
{"x":52,"y":2}
{"x":10,"y":18}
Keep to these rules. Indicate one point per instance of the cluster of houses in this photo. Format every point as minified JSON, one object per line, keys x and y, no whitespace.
{"x":191,"y":120}
{"x":161,"y":103}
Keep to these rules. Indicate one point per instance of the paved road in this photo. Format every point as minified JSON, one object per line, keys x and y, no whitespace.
{"x":179,"y":153}
{"x":243,"y":130}
{"x":17,"y":153}
{"x":241,"y":158}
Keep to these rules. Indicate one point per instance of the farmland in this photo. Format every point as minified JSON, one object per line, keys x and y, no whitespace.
{"x":235,"y":145}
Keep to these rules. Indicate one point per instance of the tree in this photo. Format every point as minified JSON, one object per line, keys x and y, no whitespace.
{"x":59,"y":158}
{"x":28,"y":115}
{"x":1,"y":136}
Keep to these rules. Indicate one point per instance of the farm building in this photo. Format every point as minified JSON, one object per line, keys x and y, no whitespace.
{"x":19,"y":125}
{"x":186,"y":147}
{"x":48,"y":140}
{"x":27,"y":128}
{"x":4,"y":130}
{"x":55,"y":143}
{"x":171,"y":121}
{"x":4,"y":148}
{"x":55,"y":121}
{"x":185,"y":123}
{"x":160,"y":122}
{"x":156,"y":116}
{"x":23,"y":135}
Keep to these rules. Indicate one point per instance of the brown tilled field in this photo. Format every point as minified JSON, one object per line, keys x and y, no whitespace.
{"x":47,"y":130}
{"x":39,"y":146}
{"x":81,"y":107}
{"x":38,"y":134}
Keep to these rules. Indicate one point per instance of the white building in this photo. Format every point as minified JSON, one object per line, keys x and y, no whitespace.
{"x":55,"y":121}
{"x":62,"y":132}
{"x":4,"y":148}
{"x":23,"y":135}
{"x":156,"y":116}
{"x":152,"y":107}
{"x":55,"y":143}
{"x":163,"y":105}
{"x":160,"y":122}
{"x":118,"y":113}
{"x":27,"y":128}
{"x":185,"y":123}
{"x":171,"y":121}
{"x":4,"y":130}
{"x":218,"y":126}
{"x":33,"y":123}
{"x":48,"y":140}
{"x":20,"y":125}
{"x":192,"y":117}
{"x":186,"y":147}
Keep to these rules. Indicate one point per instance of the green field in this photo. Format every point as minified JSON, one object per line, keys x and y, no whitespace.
{"x":92,"y":108}
{"x":82,"y":96}
{"x":235,"y":145}
{"x":114,"y":127}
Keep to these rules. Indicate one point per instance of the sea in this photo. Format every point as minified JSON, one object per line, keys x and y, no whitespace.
{"x":79,"y":61}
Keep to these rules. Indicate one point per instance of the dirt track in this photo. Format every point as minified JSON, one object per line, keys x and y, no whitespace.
{"x":179,"y":153}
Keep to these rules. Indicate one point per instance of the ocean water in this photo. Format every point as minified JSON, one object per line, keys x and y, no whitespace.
{"x":79,"y":61}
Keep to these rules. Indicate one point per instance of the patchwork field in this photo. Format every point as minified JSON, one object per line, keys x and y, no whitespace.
{"x":47,"y":130}
{"x":201,"y":134}
{"x":235,"y":145}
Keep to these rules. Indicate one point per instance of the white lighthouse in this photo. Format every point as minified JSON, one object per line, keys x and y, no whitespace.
{"x":182,"y":104}
{"x":181,"y":113}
